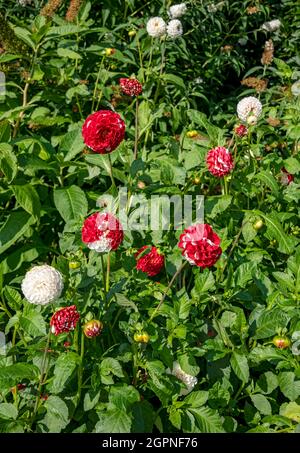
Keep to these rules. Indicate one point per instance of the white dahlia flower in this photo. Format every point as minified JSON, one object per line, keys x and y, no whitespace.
{"x":249,"y":109}
{"x":156,"y":27}
{"x":24,"y":2}
{"x":174,"y":29}
{"x":187,"y":379}
{"x":42,"y":285}
{"x":177,"y":10}
{"x":272,"y":25}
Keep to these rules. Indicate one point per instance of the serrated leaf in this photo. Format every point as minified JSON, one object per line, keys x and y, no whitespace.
{"x":113,"y":421}
{"x":286,"y":244}
{"x":14,"y":374}
{"x":124,"y":302}
{"x":8,"y":411}
{"x":57,"y":415}
{"x":268,"y":179}
{"x":143,"y":417}
{"x":123,"y":396}
{"x":33,"y":324}
{"x":262,"y":404}
{"x":71,"y":203}
{"x":291,"y":411}
{"x":28,"y":199}
{"x":72,"y":144}
{"x":269,"y":322}
{"x":8,"y":162}
{"x":240,"y":366}
{"x":289,"y":387}
{"x":68,"y":53}
{"x":65,"y":366}
{"x":15,"y":226}
{"x":206,"y":420}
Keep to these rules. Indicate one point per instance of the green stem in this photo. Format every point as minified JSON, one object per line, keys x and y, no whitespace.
{"x":96,"y":84}
{"x":166,"y":291}
{"x":111,"y":171}
{"x":107,"y":273}
{"x":103,"y":276}
{"x":136,"y":132}
{"x":41,"y":378}
{"x":80,"y":368}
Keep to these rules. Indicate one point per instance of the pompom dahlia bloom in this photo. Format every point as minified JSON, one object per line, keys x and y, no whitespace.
{"x":187,"y":379}
{"x":64,"y":320}
{"x":156,"y":27}
{"x":200,"y":245}
{"x":219,"y":161}
{"x":92,"y":328}
{"x":103,"y":131}
{"x":286,"y":178}
{"x":150,"y":262}
{"x":177,"y":10}
{"x":272,"y":25}
{"x":42,"y":285}
{"x":102,"y":232}
{"x":241,"y":130}
{"x":131,"y":87}
{"x":174,"y":29}
{"x":249,"y":107}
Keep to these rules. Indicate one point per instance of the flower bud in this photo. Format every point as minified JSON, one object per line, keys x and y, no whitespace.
{"x":109,"y":51}
{"x":192,"y":134}
{"x":74,"y":264}
{"x":131,"y":33}
{"x":258,"y":225}
{"x":92,"y":328}
{"x":142,"y":337}
{"x":252,"y":120}
{"x":281,"y":342}
{"x":197,"y":180}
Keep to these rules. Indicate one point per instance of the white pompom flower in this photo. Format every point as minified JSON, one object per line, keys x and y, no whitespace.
{"x":177,"y":10}
{"x":249,"y":109}
{"x":187,"y":379}
{"x":156,"y":27}
{"x":174,"y":29}
{"x":42,"y":285}
{"x":272,"y":25}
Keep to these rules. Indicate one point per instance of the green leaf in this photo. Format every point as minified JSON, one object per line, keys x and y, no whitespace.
{"x":64,"y":368}
{"x":124,"y":302}
{"x":113,"y":421}
{"x":71,"y":203}
{"x":206,"y":420}
{"x":14,"y":374}
{"x":188,"y":364}
{"x":287,"y":384}
{"x":143,"y":417}
{"x":8,"y":162}
{"x":240,"y":366}
{"x":15,"y":226}
{"x":110,"y":366}
{"x":196,"y":398}
{"x":72,"y":144}
{"x":269,"y":322}
{"x":68,"y":53}
{"x":33,"y":324}
{"x":291,"y":411}
{"x":262,"y":353}
{"x":267,"y":382}
{"x":244,"y":274}
{"x":285,"y":243}
{"x":262,"y":404}
{"x":175,"y":80}
{"x":216,"y":205}
{"x":268,"y":179}
{"x":28,"y":199}
{"x":4,"y":132}
{"x":57,"y":415}
{"x":25,"y":36}
{"x":292,"y":165}
{"x":8,"y":411}
{"x":13,"y":298}
{"x":123,"y":396}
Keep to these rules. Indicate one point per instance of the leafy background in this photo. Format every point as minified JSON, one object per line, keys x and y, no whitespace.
{"x":218,"y":323}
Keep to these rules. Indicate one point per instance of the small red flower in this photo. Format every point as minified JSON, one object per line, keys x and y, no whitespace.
{"x":67,"y":344}
{"x":241,"y":130}
{"x":286,"y":178}
{"x":44,"y":397}
{"x":201,"y":245}
{"x":102,"y":232}
{"x":103,"y":131}
{"x":219,"y":161}
{"x":131,"y":87}
{"x":64,"y":320}
{"x":21,"y":386}
{"x":151,"y":262}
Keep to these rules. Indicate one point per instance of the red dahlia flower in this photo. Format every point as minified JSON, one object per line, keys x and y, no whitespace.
{"x":103,"y":131}
{"x":241,"y":130}
{"x":131,"y":87}
{"x":151,"y":262}
{"x":64,"y":320}
{"x":286,"y":177}
{"x":200,"y":245}
{"x":219,"y":161}
{"x":102,"y":232}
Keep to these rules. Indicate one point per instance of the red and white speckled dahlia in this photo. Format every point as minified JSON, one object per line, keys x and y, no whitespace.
{"x":200,"y":245}
{"x":102,"y":232}
{"x":219,"y":161}
{"x":64,"y":320}
{"x":131,"y":87}
{"x":150,"y":262}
